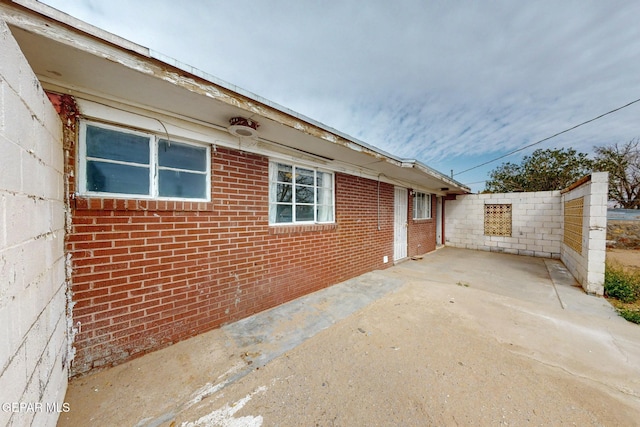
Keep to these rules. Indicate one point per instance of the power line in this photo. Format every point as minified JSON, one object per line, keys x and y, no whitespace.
{"x":549,"y":137}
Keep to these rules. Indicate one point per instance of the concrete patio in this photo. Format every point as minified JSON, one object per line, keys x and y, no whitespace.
{"x":458,"y":337}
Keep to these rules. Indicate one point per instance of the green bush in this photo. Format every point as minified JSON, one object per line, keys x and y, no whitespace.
{"x":621,"y":285}
{"x":630,"y":315}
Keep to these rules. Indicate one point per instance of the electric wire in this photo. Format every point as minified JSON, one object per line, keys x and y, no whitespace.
{"x":549,"y":137}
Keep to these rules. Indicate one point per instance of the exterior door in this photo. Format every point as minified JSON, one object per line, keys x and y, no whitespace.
{"x":400,"y":224}
{"x":439,"y":221}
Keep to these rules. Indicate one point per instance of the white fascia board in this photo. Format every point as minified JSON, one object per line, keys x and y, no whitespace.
{"x":436,"y":174}
{"x":133,"y":56}
{"x":120,"y":49}
{"x":68,"y":20}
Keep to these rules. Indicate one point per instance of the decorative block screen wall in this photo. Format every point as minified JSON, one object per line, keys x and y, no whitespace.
{"x":573,"y":211}
{"x":497,"y":220}
{"x":534,"y":229}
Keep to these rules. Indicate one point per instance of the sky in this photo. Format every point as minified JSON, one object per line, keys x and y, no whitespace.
{"x":451,"y":83}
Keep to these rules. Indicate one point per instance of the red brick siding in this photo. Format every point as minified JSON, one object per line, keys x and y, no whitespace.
{"x":421,"y":233}
{"x":150,"y":273}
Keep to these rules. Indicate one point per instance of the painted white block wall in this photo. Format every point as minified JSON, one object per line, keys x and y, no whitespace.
{"x":588,"y":267}
{"x":33,"y":323}
{"x":536,"y":223}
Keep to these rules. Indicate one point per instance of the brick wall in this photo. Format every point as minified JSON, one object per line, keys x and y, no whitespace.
{"x":421,"y":233}
{"x":536,"y":223}
{"x":33,"y":323}
{"x":149,"y":273}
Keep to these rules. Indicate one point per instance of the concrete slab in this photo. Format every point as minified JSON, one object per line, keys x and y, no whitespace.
{"x":341,"y":355}
{"x":267,"y":335}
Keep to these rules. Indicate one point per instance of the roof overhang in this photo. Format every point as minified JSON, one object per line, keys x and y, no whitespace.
{"x":71,"y":56}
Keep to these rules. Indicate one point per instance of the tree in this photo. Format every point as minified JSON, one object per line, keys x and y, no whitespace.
{"x":623,"y":165}
{"x":544,"y":170}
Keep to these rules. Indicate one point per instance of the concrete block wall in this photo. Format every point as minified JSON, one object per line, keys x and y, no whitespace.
{"x":536,"y":223}
{"x":588,"y":267}
{"x":33,"y":323}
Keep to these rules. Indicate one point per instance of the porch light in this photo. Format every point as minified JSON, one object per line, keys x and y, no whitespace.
{"x":243,"y":128}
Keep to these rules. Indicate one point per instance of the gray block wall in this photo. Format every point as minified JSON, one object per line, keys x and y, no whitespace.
{"x":33,"y":321}
{"x":536,"y":223}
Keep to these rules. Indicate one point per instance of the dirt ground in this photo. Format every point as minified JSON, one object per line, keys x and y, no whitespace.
{"x":628,"y":258}
{"x":411,"y":360}
{"x":433,"y":352}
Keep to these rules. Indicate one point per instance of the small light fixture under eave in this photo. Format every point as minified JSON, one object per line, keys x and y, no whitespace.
{"x":243,"y":128}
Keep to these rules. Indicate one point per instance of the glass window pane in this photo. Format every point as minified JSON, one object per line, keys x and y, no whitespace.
{"x":285,"y":193}
{"x":182,"y":156}
{"x":283,"y":213}
{"x":304,"y":213}
{"x":421,"y":206}
{"x":285,"y":173}
{"x":323,"y":179}
{"x":325,"y":213}
{"x":117,"y":178}
{"x":304,"y":176}
{"x":299,"y":194}
{"x":324,"y":197}
{"x":182,"y":184}
{"x":304,"y":194}
{"x":114,"y":145}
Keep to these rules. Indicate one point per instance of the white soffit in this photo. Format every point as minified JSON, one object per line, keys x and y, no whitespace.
{"x":86,"y":59}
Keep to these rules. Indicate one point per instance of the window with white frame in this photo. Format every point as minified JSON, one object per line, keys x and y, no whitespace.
{"x":421,"y":206}
{"x":299,"y":194}
{"x":124,"y":162}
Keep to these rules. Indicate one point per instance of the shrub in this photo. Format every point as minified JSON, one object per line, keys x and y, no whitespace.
{"x":630,"y":315}
{"x":621,"y":285}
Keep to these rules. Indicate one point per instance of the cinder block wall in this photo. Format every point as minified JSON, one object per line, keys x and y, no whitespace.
{"x":588,"y":266}
{"x":147,"y":273}
{"x":536,"y":223}
{"x":33,"y":323}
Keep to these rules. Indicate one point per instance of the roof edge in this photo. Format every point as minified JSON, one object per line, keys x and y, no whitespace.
{"x":119,"y":42}
{"x":439,"y":175}
{"x":78,"y":24}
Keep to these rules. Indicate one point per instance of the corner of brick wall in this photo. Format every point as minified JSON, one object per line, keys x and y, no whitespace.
{"x":421,"y":233}
{"x":147,"y":274}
